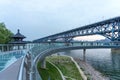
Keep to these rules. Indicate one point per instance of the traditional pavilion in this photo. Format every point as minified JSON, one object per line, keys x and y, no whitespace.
{"x":18,"y":41}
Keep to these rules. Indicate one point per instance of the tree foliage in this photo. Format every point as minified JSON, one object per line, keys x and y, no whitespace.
{"x":5,"y":34}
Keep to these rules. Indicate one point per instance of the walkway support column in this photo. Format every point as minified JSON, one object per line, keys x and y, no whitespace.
{"x":84,"y":53}
{"x":43,"y":64}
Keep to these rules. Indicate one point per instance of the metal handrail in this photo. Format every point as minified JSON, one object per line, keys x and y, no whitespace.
{"x":20,"y":77}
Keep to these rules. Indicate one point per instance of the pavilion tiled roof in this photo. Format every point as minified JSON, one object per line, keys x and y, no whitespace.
{"x":18,"y":35}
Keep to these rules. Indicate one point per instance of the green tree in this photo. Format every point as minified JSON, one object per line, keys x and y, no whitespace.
{"x":5,"y":34}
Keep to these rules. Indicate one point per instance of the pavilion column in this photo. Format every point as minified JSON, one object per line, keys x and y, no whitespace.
{"x":8,"y":47}
{"x":18,"y":47}
{"x":2,"y":48}
{"x":24,"y":47}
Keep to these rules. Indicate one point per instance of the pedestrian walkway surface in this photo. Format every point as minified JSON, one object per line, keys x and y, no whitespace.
{"x":11,"y":73}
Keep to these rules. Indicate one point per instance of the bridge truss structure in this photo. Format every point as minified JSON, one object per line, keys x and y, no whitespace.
{"x":108,"y":28}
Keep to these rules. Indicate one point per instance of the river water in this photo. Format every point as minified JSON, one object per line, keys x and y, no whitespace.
{"x":103,"y":60}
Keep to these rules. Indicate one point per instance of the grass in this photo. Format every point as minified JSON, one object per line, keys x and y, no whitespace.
{"x":67,"y":67}
{"x":49,"y":72}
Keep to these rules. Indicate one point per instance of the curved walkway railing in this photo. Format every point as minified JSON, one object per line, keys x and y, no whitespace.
{"x":41,"y":50}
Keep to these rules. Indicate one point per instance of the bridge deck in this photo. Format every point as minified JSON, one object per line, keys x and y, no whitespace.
{"x":11,"y":73}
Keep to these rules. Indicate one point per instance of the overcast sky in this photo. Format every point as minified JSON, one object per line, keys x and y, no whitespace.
{"x":40,"y":18}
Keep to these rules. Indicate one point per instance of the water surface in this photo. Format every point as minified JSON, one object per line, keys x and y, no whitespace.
{"x":101,"y":59}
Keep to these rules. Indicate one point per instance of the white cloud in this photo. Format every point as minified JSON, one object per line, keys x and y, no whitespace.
{"x":90,"y":38}
{"x":5,"y":2}
{"x":41,"y":5}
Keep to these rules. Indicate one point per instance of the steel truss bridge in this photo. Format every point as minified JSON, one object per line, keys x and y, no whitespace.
{"x":46,"y":46}
{"x":108,"y":28}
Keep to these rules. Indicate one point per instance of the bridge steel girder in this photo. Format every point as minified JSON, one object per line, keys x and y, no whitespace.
{"x":109,"y":28}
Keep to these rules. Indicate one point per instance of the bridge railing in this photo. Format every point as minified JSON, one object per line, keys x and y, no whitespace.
{"x":29,"y":61}
{"x":96,"y":44}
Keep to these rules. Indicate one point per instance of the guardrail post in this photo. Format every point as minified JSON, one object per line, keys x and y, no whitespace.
{"x":27,"y":65}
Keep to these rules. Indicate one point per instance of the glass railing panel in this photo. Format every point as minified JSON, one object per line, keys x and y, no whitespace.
{"x":7,"y":58}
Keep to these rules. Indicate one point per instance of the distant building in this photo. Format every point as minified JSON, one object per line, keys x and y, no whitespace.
{"x":17,"y":41}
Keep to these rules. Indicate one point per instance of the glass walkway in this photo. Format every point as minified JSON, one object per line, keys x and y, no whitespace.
{"x":7,"y":58}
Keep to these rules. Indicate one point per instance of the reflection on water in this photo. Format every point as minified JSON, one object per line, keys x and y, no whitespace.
{"x":101,"y":59}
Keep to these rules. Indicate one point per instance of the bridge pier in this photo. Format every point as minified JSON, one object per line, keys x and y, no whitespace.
{"x":84,"y":54}
{"x":115,"y":50}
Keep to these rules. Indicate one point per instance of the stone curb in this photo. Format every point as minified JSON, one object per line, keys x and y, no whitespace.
{"x":81,"y":72}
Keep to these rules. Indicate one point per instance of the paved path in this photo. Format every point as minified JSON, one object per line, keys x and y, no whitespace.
{"x":11,"y":73}
{"x":95,"y":75}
